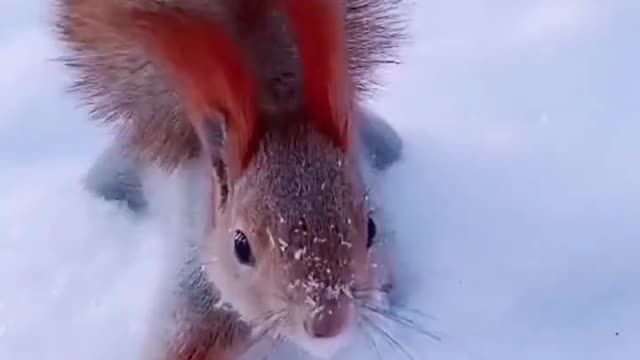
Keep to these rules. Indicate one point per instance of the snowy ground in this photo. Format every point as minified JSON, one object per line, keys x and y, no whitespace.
{"x":517,"y":205}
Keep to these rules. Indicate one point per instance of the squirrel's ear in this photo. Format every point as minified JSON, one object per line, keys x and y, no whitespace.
{"x":319,"y":30}
{"x":210,"y":73}
{"x":212,"y":133}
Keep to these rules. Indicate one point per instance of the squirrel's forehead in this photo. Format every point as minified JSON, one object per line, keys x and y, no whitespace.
{"x":302,"y":220}
{"x":302,"y":194}
{"x":313,"y":231}
{"x":302,"y":210}
{"x":300,"y":243}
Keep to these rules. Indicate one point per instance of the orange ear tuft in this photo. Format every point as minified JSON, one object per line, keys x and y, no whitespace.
{"x":209,"y":71}
{"x":319,"y":29}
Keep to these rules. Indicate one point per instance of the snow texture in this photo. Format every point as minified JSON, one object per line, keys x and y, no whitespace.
{"x":516,"y":207}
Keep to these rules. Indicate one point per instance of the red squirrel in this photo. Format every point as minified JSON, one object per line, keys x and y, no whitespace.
{"x":269,"y":93}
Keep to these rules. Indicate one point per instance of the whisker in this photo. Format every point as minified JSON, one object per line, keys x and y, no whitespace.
{"x":402,"y":320}
{"x":417,"y":312}
{"x":274,"y":343}
{"x":371,"y":341}
{"x":359,"y":290}
{"x":208,"y":262}
{"x":387,"y":336}
{"x":266,"y":325}
{"x":363,"y":294}
{"x":255,"y":340}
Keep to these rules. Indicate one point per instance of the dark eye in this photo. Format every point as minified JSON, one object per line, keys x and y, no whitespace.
{"x":242,"y":248}
{"x":371,"y":230}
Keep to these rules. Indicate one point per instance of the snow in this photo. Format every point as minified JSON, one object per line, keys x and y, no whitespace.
{"x":516,"y":206}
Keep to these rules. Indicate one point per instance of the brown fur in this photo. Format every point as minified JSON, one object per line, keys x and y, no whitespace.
{"x":303,"y":208}
{"x":300,"y":197}
{"x":122,"y":86}
{"x":208,"y":69}
{"x":319,"y":32}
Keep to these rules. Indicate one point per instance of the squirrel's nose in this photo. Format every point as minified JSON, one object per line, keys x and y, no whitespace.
{"x":330,"y":321}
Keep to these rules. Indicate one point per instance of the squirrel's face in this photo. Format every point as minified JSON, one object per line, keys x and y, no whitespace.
{"x":290,"y":248}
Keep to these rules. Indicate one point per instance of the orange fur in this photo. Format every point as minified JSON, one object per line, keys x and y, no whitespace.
{"x":125,"y":87}
{"x":208,"y":70}
{"x":211,"y":73}
{"x":319,"y":30}
{"x":157,"y":70}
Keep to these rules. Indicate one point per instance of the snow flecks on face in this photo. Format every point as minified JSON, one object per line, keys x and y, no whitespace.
{"x":314,"y":288}
{"x":277,"y":242}
{"x":333,"y":292}
{"x":272,"y":240}
{"x":347,"y":290}
{"x":320,"y":287}
{"x":299,"y":253}
{"x":294,"y":284}
{"x":316,"y":257}
{"x":318,"y":240}
{"x":283,"y":245}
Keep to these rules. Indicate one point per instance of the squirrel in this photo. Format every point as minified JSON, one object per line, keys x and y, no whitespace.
{"x":269,"y":93}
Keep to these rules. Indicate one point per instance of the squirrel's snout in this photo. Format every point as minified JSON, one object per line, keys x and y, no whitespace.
{"x":331,"y":321}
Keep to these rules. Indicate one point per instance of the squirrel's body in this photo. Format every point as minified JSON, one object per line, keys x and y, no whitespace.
{"x":268,"y":93}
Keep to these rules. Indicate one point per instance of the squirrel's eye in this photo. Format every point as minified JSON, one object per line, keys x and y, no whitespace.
{"x":371,"y":230}
{"x":242,"y":248}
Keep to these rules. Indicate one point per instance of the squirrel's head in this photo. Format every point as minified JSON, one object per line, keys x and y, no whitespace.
{"x":291,"y":231}
{"x":289,"y":246}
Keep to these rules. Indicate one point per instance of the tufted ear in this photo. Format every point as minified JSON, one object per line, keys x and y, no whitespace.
{"x":210,"y":72}
{"x":320,"y":34}
{"x":213,"y":134}
{"x":213,"y":137}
